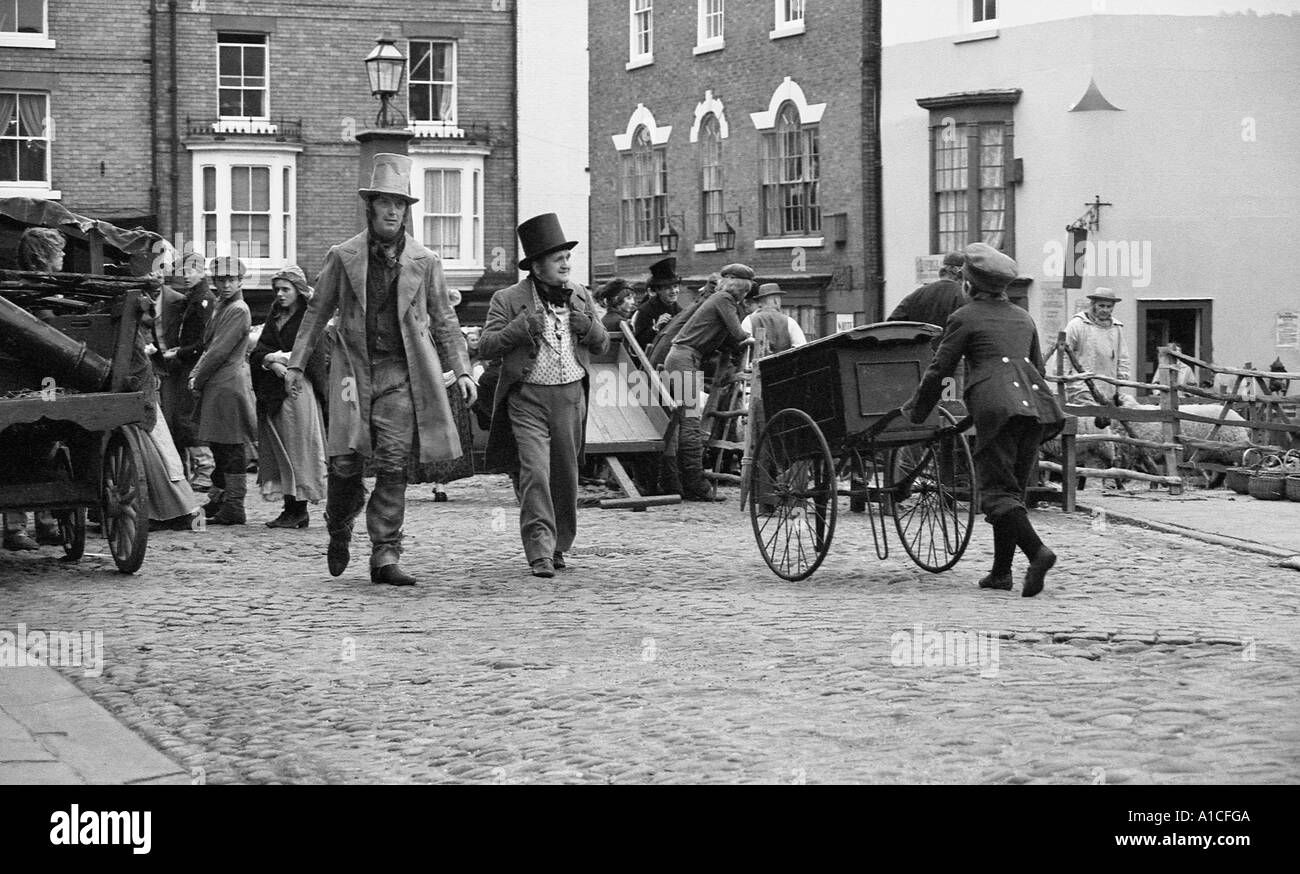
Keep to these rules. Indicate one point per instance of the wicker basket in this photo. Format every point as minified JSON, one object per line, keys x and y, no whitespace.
{"x":1293,"y":487}
{"x":1238,"y":478}
{"x":1269,"y":482}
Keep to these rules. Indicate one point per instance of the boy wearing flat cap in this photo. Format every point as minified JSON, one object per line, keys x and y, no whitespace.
{"x":714,"y":326}
{"x":1096,"y":338}
{"x":1012,"y":404}
{"x":545,"y":329}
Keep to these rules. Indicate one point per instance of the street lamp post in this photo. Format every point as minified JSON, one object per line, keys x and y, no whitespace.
{"x":386,"y":66}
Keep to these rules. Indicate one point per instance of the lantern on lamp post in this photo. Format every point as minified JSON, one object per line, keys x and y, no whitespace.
{"x":385,"y":67}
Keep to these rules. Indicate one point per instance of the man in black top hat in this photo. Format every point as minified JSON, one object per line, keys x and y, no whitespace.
{"x":544,"y":328}
{"x":934,"y":302}
{"x":659,"y":308}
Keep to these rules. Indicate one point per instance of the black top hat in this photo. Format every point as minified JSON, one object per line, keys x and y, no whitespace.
{"x":664,"y":273}
{"x":541,"y":235}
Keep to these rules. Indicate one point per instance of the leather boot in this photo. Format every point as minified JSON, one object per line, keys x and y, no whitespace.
{"x":1004,"y":551}
{"x":344,"y":498}
{"x":232,"y":504}
{"x":216,"y":495}
{"x":690,"y":453}
{"x":294,"y":515}
{"x":384,"y":517}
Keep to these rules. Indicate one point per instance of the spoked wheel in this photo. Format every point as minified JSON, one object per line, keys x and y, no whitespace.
{"x":125,"y":497}
{"x":792,"y":495}
{"x":933,"y":491}
{"x":72,"y":523}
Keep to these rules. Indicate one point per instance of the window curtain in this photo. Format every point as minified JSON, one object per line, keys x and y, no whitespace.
{"x":7,"y":103}
{"x":31,"y":111}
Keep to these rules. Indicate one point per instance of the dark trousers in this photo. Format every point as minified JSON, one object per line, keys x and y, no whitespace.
{"x":392,"y":434}
{"x":547,"y":421}
{"x":1005,"y":466}
{"x":228,"y":459}
{"x":685,"y":381}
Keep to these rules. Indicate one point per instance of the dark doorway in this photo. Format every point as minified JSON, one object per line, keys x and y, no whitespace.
{"x":1160,"y":323}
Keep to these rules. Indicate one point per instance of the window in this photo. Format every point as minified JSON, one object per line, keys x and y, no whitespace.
{"x":645,"y":191}
{"x":244,"y":203}
{"x":432,"y":78}
{"x":712,"y":216}
{"x":23,"y":25}
{"x":24,"y":140}
{"x":788,"y":18}
{"x":640,"y":33}
{"x":709,"y":35}
{"x":983,"y":10}
{"x":790,"y":170}
{"x":242,"y":76}
{"x":972,"y":199}
{"x":448,"y":219}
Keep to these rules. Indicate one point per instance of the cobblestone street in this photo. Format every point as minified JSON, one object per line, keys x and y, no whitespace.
{"x":1148,"y":659}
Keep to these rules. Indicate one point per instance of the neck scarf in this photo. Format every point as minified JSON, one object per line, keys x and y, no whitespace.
{"x":555,"y":295}
{"x":389,"y":252}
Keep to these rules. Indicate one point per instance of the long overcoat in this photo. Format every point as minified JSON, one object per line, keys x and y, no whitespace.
{"x":506,"y":336}
{"x":226,"y":410}
{"x":1000,"y":341}
{"x":425,"y":310}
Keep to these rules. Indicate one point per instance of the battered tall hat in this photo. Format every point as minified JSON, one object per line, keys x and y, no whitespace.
{"x":390,"y":175}
{"x":664,"y":272}
{"x":541,"y":235}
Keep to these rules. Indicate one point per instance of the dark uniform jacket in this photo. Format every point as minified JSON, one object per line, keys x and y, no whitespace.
{"x":1000,"y":341}
{"x":643,"y":320}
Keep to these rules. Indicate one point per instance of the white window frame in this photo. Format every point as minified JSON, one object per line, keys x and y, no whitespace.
{"x":968,"y":15}
{"x":40,"y":189}
{"x":470,"y":165}
{"x":446,"y":127}
{"x":283,"y":234}
{"x":246,"y":123}
{"x":784,"y":24}
{"x":704,"y":42}
{"x":636,"y":57}
{"x":41,"y":40}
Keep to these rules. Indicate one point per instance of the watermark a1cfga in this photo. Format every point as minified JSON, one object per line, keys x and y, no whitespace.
{"x":918,"y":647}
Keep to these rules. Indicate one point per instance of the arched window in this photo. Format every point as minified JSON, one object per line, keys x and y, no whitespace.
{"x":790,"y":159}
{"x":711,"y":205}
{"x":645,"y":190}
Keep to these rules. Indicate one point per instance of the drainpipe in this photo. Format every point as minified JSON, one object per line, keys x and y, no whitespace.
{"x":175,"y":131}
{"x":155,"y":204}
{"x":875,"y":69}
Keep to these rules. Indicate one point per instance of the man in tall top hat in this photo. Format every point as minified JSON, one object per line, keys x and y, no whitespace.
{"x":659,"y":308}
{"x":1096,"y":338}
{"x":544,"y":328}
{"x":387,"y":401}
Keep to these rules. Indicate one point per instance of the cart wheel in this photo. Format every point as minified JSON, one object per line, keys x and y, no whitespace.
{"x":125,"y":496}
{"x":72,"y":527}
{"x":792,"y":495}
{"x":72,"y":523}
{"x":934,"y":495}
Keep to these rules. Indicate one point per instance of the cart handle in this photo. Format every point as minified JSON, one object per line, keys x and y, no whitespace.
{"x":888,"y":418}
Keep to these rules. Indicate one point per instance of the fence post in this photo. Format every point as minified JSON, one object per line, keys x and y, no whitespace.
{"x":1170,"y":429}
{"x":1060,"y":365}
{"x":1069,"y":452}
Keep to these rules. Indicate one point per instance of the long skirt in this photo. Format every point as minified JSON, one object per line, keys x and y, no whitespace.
{"x":291,"y":450}
{"x":462,"y":467}
{"x":169,"y":492}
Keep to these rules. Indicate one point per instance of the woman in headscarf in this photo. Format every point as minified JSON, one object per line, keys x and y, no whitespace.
{"x":291,"y":439}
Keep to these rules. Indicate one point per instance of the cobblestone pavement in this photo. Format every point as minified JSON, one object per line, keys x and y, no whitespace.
{"x":668,"y":652}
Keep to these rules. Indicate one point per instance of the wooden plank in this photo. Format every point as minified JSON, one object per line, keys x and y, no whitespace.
{"x":638,"y":503}
{"x":95,"y":411}
{"x":1113,"y":473}
{"x":49,"y":495}
{"x":620,"y":475}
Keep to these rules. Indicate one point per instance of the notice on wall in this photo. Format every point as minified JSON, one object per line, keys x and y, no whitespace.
{"x":1053,"y":312}
{"x":843,"y":322}
{"x":927,"y":268}
{"x":1288,"y":330}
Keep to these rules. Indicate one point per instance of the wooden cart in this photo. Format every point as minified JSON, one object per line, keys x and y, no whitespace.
{"x":829,"y":417}
{"x":70,"y":414}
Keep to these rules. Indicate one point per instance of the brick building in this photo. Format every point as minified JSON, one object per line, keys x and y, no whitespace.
{"x":231,"y":126}
{"x":752,"y":116}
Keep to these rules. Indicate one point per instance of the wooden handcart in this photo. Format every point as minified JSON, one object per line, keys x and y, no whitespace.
{"x":830,"y":428}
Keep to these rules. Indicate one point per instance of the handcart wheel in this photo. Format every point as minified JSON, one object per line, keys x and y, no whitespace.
{"x":792,"y":495}
{"x":931,"y":484}
{"x":72,"y":523}
{"x":125,"y":497}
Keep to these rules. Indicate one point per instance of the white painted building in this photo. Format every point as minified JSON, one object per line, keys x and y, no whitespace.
{"x":552,"y":119}
{"x":1180,"y":115}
